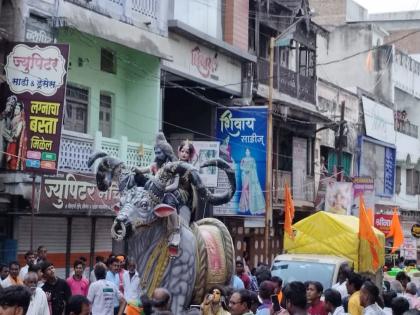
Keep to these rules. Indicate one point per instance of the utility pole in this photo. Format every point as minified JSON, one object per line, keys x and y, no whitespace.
{"x":340,"y":144}
{"x":269,"y":177}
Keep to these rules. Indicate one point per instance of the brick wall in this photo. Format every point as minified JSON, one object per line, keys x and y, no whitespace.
{"x":329,"y":12}
{"x":236,"y":23}
{"x":409,"y":45}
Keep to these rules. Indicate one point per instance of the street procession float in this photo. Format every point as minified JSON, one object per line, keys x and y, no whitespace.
{"x":156,"y":217}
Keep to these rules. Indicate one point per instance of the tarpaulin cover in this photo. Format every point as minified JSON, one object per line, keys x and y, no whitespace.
{"x":325,"y":233}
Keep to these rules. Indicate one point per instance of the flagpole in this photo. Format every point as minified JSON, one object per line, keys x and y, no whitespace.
{"x":269,"y":177}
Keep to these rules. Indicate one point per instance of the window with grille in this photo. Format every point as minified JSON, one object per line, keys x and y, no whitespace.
{"x":398,"y":180}
{"x":108,"y":61}
{"x":105,"y":112}
{"x":412,"y":182}
{"x":77,"y":100}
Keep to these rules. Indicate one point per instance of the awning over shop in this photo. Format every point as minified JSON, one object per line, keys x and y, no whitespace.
{"x":113,"y":30}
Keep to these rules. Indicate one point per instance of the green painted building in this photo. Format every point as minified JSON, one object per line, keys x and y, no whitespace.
{"x":111,"y":88}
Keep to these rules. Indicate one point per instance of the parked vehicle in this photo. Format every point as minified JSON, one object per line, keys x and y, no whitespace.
{"x":322,"y":243}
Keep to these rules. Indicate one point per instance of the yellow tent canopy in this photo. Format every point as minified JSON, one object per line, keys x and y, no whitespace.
{"x":325,"y":233}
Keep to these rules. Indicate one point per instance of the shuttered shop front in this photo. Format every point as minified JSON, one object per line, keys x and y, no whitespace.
{"x":51,"y":232}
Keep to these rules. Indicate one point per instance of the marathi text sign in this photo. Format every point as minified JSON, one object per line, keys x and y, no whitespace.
{"x":75,"y":193}
{"x":33,"y":105}
{"x":243,"y":133}
{"x":383,"y":222}
{"x":363,"y":186}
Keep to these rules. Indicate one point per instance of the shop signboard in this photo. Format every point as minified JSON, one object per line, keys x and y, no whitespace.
{"x":379,"y":121}
{"x":203,"y":64}
{"x":363,"y":186}
{"x":76,"y":193}
{"x":38,"y":31}
{"x":242,"y":132}
{"x":383,"y":222}
{"x":32,"y":105}
{"x":377,"y":160}
{"x":415,"y":230}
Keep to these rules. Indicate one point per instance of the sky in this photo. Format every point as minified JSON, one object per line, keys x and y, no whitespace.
{"x":377,"y":6}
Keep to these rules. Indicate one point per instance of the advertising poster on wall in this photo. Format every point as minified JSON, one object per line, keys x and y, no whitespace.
{"x":363,"y":186}
{"x":338,"y":198}
{"x":299,"y":167}
{"x":242,"y":132}
{"x":206,"y":150}
{"x":409,"y":249}
{"x":31,"y":106}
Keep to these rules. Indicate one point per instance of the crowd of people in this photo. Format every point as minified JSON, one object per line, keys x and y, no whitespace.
{"x":114,"y":287}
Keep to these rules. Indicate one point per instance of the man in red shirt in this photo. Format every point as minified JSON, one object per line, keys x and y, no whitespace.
{"x":313,"y":294}
{"x":240,"y":272}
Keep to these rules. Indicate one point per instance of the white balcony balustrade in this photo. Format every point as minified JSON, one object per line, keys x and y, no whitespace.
{"x":76,"y":148}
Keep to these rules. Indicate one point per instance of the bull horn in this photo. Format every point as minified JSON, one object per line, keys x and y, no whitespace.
{"x":106,"y":169}
{"x":216,"y":199}
{"x":222,"y":198}
{"x":94,"y":157}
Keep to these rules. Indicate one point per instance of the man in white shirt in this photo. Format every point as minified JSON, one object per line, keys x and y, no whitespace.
{"x":131,"y":282}
{"x":41,"y":254}
{"x":411,"y":295}
{"x":39,"y":303}
{"x":369,"y":295}
{"x":341,"y":285}
{"x":102,"y":294}
{"x":30,"y":260}
{"x":332,"y":302}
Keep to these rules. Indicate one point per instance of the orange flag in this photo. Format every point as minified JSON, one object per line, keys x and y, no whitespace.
{"x":289,"y":211}
{"x":396,"y":231}
{"x":370,"y":215}
{"x":366,"y":232}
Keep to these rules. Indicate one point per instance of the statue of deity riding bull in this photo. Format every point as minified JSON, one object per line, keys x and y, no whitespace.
{"x":148,"y":213}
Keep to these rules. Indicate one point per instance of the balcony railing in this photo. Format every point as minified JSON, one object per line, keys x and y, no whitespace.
{"x":76,"y":148}
{"x":287,"y":81}
{"x":407,"y":128}
{"x":280,"y":178}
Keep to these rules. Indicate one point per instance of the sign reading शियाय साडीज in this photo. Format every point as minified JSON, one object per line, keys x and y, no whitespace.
{"x":243,"y":135}
{"x":32,"y":107}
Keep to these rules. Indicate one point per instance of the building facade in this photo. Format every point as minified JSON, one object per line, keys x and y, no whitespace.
{"x":112,"y":104}
{"x":385,"y":77}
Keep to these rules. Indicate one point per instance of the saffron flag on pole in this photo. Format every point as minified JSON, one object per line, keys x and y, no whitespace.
{"x":367,"y":233}
{"x":289,"y":211}
{"x":396,"y":231}
{"x":370,"y":215}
